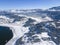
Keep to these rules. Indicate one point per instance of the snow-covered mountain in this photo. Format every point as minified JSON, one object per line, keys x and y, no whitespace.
{"x":55,"y":8}
{"x":32,"y":26}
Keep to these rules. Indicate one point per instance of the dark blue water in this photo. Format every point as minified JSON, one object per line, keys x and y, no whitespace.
{"x":5,"y":35}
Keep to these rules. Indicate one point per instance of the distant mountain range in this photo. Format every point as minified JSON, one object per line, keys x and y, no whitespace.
{"x":55,"y":8}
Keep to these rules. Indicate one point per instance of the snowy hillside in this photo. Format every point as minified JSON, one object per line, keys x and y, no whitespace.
{"x":32,"y":27}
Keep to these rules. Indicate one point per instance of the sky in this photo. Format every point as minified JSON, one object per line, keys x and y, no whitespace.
{"x":28,"y":4}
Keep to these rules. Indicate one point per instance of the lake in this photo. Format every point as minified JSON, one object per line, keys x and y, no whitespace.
{"x":5,"y":35}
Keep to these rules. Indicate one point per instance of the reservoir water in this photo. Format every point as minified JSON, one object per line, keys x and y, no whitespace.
{"x":5,"y":35}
